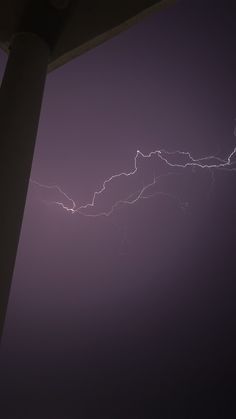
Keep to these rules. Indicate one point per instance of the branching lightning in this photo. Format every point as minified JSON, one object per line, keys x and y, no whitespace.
{"x":171,"y":159}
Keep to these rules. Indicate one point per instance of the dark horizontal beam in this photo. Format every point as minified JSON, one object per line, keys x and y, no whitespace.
{"x":72,"y":27}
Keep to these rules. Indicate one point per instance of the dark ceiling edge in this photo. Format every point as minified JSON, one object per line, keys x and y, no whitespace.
{"x":98,"y":40}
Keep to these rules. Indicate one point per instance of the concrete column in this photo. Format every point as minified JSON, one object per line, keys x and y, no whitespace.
{"x":20,"y":103}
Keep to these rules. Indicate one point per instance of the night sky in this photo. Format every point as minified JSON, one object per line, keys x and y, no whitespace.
{"x":131,"y":316}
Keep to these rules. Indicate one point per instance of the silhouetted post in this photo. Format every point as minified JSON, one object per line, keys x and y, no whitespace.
{"x":20,"y":103}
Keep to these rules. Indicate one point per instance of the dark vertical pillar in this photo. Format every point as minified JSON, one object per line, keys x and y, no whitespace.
{"x":20,"y":103}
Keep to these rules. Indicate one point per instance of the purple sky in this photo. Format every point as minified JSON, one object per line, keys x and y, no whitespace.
{"x":130,"y":316}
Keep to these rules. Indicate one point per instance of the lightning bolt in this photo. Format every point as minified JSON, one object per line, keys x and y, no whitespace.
{"x":171,"y":159}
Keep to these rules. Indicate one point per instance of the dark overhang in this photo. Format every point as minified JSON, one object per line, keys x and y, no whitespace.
{"x":72,"y":27}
